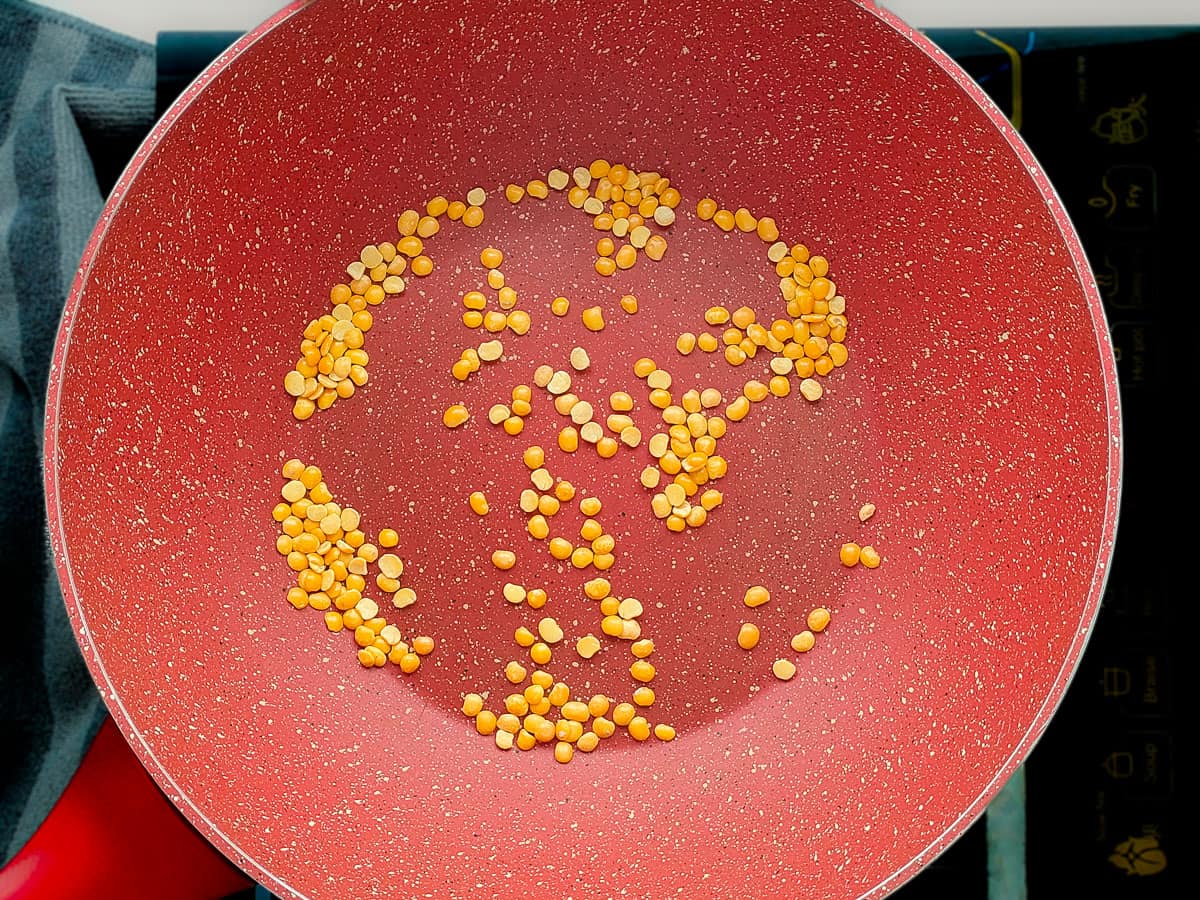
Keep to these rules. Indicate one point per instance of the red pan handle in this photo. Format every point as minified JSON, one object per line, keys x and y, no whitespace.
{"x":114,"y":834}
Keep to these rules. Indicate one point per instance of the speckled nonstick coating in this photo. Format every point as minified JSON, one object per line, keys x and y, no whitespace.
{"x":978,"y":411}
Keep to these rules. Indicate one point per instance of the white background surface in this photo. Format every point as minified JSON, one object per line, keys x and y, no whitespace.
{"x":144,"y":18}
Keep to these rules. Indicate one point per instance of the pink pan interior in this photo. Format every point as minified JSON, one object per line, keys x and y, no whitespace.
{"x":977,"y":411}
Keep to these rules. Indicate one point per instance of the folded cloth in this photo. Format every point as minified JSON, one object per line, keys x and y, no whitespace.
{"x":74,"y":98}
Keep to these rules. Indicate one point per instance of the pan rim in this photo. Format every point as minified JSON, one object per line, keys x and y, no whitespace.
{"x":1115,"y":443}
{"x":71,"y":597}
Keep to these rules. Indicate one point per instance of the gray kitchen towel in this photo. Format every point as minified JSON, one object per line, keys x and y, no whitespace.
{"x":74,"y":99}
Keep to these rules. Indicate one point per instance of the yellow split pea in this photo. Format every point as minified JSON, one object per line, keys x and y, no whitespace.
{"x":756,"y":596}
{"x":748,"y":636}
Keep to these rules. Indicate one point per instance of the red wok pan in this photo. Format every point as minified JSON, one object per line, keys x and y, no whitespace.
{"x":976,"y":410}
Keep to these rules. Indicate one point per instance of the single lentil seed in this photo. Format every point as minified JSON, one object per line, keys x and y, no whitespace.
{"x":472,"y":705}
{"x":518,"y":322}
{"x":738,"y":409}
{"x":638,"y":728}
{"x":391,"y":565}
{"x":581,"y":412}
{"x":660,"y":398}
{"x":783,"y":669}
{"x":642,"y":671}
{"x":748,"y":636}
{"x":811,"y":389}
{"x":591,"y":432}
{"x":659,"y":379}
{"x":423,"y":645}
{"x":593,"y":318}
{"x":744,"y":220}
{"x":626,"y":257}
{"x":455,"y":415}
{"x":623,"y":714}
{"x":587,"y":646}
{"x":559,"y":383}
{"x":756,"y":596}
{"x":534,"y":457}
{"x":642,"y":649}
{"x":755,"y":391}
{"x":559,"y":694}
{"x":803,"y":642}
{"x":618,"y":422}
{"x":629,"y":608}
{"x":564,"y":403}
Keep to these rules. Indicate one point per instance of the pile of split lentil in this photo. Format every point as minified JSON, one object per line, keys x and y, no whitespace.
{"x":325,"y":545}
